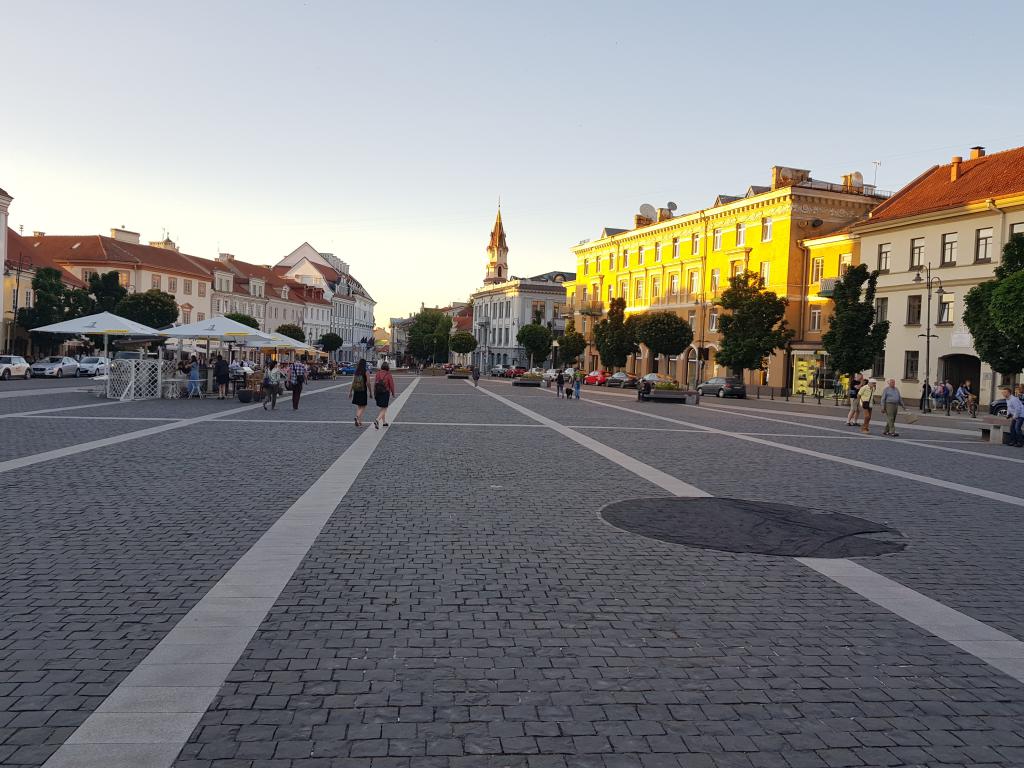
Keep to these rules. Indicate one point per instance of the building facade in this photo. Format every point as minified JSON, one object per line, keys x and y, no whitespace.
{"x":683,"y":263}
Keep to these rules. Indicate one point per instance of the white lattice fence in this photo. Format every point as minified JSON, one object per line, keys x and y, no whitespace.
{"x":135,"y":379}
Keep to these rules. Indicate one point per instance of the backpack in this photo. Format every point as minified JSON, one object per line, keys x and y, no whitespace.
{"x":358,"y":384}
{"x":379,"y":390}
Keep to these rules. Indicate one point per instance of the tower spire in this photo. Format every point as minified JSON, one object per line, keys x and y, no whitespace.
{"x":497,"y":252}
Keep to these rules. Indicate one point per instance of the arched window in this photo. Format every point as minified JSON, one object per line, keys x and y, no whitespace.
{"x":499,"y":271}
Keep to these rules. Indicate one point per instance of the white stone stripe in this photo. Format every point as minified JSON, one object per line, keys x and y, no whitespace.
{"x":162,"y":700}
{"x":71,"y":450}
{"x":987,"y":643}
{"x":64,"y":417}
{"x":43,"y":391}
{"x":23,"y":414}
{"x":992,"y":646}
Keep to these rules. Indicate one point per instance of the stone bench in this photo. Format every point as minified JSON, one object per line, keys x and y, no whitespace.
{"x":995,"y":429}
{"x":688,"y":397}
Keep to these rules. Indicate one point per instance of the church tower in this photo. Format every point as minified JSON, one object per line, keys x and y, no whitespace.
{"x":497,"y":254}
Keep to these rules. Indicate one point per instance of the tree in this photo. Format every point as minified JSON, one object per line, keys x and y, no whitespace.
{"x":615,"y":341}
{"x":428,"y":334}
{"x":292,"y":332}
{"x":107,"y":290}
{"x":462,"y":342}
{"x":998,"y":348}
{"x":48,"y":307}
{"x":153,"y":308}
{"x":78,"y":303}
{"x":244,"y":319}
{"x":331,"y":342}
{"x":855,"y":337}
{"x":572,"y":343}
{"x":754,"y":327}
{"x":664,"y":333}
{"x":536,"y":340}
{"x":1007,"y":307}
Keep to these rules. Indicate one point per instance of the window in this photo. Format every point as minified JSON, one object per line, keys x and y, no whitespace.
{"x":946,"y":309}
{"x":611,"y":295}
{"x":657,"y":252}
{"x":881,"y":310}
{"x":766,"y":272}
{"x":200,"y":316}
{"x":717,"y":240}
{"x":694,"y":284}
{"x":29,"y":295}
{"x":713,"y":319}
{"x":584,"y":294}
{"x":878,"y":367}
{"x":202,"y":289}
{"x":817,"y":268}
{"x":815,"y":320}
{"x":586,"y":266}
{"x":715,"y":279}
{"x":186,"y":316}
{"x":639,"y":292}
{"x":845,"y":263}
{"x":914,"y":310}
{"x":916,"y":252}
{"x":123,"y":278}
{"x":673,"y":285}
{"x":983,"y":245}
{"x":625,"y":259}
{"x":884,"y":253}
{"x":766,"y":229}
{"x":691,"y":318}
{"x":154,"y":282}
{"x":949,"y":243}
{"x":675,"y":247}
{"x":695,"y":244}
{"x":172,"y":284}
{"x":735,"y":268}
{"x":88,"y":273}
{"x":741,"y":235}
{"x":1017,"y":229}
{"x":655,"y":287}
{"x":640,"y":255}
{"x":910,"y":361}
{"x":216,"y":305}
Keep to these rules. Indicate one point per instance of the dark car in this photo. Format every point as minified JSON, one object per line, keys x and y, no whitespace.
{"x":997,"y":407}
{"x":723,"y":386}
{"x":622,"y":380}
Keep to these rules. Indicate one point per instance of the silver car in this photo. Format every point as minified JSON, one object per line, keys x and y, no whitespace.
{"x":93,"y":366}
{"x":13,"y":365}
{"x":55,"y":366}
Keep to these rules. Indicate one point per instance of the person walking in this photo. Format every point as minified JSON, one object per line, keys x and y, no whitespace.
{"x":476,"y":378}
{"x":852,"y":392}
{"x":891,"y":402}
{"x":221,"y":376}
{"x":272,"y":385}
{"x":358,"y":391}
{"x":1015,"y":413}
{"x":577,"y":383}
{"x":383,"y":391}
{"x":866,"y":395}
{"x":568,"y":384}
{"x":297,"y":378}
{"x":559,"y":385}
{"x":193,"y":378}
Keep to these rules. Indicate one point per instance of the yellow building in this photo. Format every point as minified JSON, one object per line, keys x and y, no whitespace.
{"x":683,"y":263}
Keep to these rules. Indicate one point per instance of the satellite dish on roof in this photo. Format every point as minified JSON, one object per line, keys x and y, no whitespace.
{"x":647,"y":211}
{"x":671,"y":206}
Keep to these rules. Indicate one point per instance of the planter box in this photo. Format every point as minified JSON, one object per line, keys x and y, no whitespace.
{"x":245,"y":395}
{"x":458,"y":375}
{"x":686,"y":397}
{"x":526,"y":382}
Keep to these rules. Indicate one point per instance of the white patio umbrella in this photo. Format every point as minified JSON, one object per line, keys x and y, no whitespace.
{"x":101,"y":324}
{"x":278,"y":341}
{"x":219,"y":327}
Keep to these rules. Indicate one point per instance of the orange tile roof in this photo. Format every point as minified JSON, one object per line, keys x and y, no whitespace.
{"x":995,"y":175}
{"x":101,"y":250}
{"x":20,"y":250}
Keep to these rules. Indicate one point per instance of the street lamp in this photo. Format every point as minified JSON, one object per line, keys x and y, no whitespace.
{"x":929,"y":281}
{"x":554,"y":353}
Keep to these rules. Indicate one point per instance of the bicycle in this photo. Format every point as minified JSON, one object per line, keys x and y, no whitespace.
{"x":970,"y":406}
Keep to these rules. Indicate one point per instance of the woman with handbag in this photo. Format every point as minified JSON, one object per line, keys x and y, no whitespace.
{"x":384,"y":390}
{"x":358,"y":391}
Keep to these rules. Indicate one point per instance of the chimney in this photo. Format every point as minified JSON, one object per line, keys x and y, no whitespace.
{"x":977,"y":152}
{"x":37,"y":233}
{"x":664,"y":214}
{"x":125,"y":235}
{"x":954,"y":168}
{"x":167,"y":244}
{"x":640,"y":220}
{"x":226,"y":256}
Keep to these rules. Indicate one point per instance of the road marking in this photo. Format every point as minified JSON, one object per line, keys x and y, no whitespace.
{"x":980,"y":640}
{"x":71,"y":450}
{"x":23,"y":414}
{"x":147,"y":719}
{"x":41,"y":391}
{"x":103,"y":418}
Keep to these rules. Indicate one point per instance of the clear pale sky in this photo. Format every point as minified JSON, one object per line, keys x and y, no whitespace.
{"x":385,"y":132}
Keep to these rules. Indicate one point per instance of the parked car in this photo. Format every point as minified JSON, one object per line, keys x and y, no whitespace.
{"x":497,"y":370}
{"x":997,"y":407}
{"x":551,"y":374}
{"x":622,"y":380}
{"x":511,"y":373}
{"x":657,"y":378}
{"x":55,"y":366}
{"x":347,"y":370}
{"x":597,"y":378}
{"x":13,"y":365}
{"x":93,"y":366}
{"x":723,"y":386}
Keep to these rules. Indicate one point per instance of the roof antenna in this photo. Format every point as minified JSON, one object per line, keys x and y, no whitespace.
{"x":875,"y":163}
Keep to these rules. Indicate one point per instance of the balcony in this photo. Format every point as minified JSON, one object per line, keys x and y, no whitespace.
{"x":827,"y":287}
{"x":595,"y":308}
{"x":669,"y":300}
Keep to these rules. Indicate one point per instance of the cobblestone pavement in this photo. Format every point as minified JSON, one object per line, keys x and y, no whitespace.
{"x":466,"y":606}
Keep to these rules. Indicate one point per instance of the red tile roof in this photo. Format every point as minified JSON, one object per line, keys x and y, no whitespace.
{"x":995,"y":175}
{"x":20,"y":250}
{"x":102,"y":251}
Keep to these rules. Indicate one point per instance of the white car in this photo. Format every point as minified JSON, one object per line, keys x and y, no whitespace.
{"x":12,"y":365}
{"x":55,"y":365}
{"x":551,"y":374}
{"x":93,"y":366}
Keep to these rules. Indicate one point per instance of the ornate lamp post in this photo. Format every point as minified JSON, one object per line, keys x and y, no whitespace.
{"x":929,"y":281}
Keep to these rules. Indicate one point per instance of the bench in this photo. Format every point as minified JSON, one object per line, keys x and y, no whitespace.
{"x":996,"y":427}
{"x":689,"y":397}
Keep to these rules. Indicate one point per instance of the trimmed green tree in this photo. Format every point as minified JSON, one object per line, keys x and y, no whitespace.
{"x":107,"y":290}
{"x":1007,"y":307}
{"x":615,"y":341}
{"x":49,"y":307}
{"x":292,"y":331}
{"x":855,"y":337}
{"x":664,"y":333}
{"x":428,"y":335}
{"x":571,"y":344}
{"x":153,"y":308}
{"x":1000,"y":348}
{"x":754,"y":326}
{"x":331,"y":342}
{"x":536,"y":340}
{"x":462,"y":343}
{"x":244,"y":319}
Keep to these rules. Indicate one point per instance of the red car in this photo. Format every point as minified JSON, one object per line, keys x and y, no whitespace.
{"x":600,"y":378}
{"x":511,"y":373}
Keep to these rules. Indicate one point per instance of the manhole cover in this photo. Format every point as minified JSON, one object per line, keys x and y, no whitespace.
{"x":753,"y":527}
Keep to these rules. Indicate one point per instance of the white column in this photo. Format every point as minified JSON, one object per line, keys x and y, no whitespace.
{"x":5,"y":202}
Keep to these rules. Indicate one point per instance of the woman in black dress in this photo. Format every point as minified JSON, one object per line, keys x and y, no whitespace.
{"x":358,"y":391}
{"x":221,"y":376}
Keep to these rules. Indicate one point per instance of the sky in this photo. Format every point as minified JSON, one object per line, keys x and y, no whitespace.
{"x":385,"y":133}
